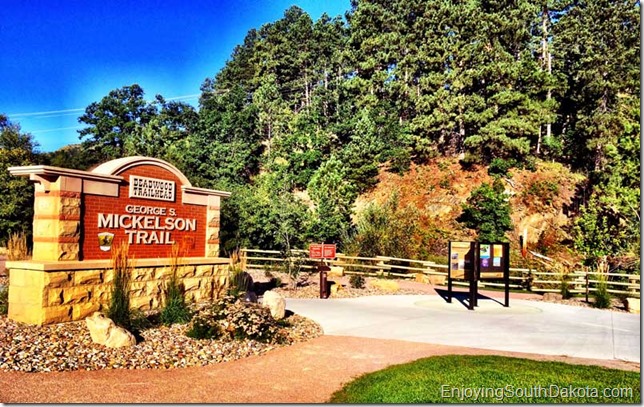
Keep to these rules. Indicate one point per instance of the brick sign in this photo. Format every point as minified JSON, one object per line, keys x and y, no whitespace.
{"x":144,"y":202}
{"x":322,"y":251}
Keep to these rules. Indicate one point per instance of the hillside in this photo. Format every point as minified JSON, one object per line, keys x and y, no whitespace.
{"x":540,"y":202}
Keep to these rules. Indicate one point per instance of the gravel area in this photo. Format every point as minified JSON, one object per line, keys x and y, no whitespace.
{"x":68,"y":346}
{"x":309,"y":286}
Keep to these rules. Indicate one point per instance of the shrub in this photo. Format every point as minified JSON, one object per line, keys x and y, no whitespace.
{"x":357,"y":281}
{"x":17,"y":247}
{"x":203,"y":328}
{"x":500,"y":166}
{"x":565,"y":286}
{"x":119,"y":308}
{"x":384,"y":231}
{"x":488,"y":212}
{"x":175,"y":309}
{"x":4,"y":300}
{"x":601,"y":295}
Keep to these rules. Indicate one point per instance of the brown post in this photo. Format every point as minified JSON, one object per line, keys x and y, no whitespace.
{"x":323,"y":269}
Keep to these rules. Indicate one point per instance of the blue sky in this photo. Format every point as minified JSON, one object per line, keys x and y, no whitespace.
{"x":60,"y":56}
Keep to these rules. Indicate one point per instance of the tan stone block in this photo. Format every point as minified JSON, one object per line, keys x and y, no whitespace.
{"x":77,"y":295}
{"x":55,"y":296}
{"x":143,"y":303}
{"x":69,"y":228}
{"x":54,"y":279}
{"x":212,"y":250}
{"x":192,"y":284}
{"x":55,"y":315}
{"x":88,"y":277}
{"x":45,"y":227}
{"x":71,"y":211}
{"x":46,"y":206}
{"x":205,"y":271}
{"x":45,"y":251}
{"x":143,"y":274}
{"x":81,"y":311}
{"x":26,"y":313}
{"x":26,"y":278}
{"x":27,"y":295}
{"x":138,"y":289}
{"x":162,"y":273}
{"x":108,"y":276}
{"x":186,"y":272}
{"x":102,"y":293}
{"x":69,"y":202}
{"x":154,"y":288}
{"x":421,"y":278}
{"x":68,"y":251}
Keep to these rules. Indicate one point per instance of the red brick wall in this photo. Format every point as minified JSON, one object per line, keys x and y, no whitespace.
{"x":94,"y":204}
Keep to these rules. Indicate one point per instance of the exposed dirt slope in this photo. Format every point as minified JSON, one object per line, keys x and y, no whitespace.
{"x":540,"y":201}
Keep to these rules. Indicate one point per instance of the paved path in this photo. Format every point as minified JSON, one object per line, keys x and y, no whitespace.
{"x":526,"y":326}
{"x":310,"y":372}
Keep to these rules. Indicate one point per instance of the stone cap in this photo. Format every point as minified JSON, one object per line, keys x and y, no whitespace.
{"x":50,"y":172}
{"x":107,"y":264}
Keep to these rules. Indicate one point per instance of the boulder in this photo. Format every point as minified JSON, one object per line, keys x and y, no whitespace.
{"x":633,"y":305}
{"x":386,"y":285}
{"x":336,"y":271}
{"x":334,"y":289}
{"x":276,"y":303}
{"x":421,"y":278}
{"x":552,"y":297}
{"x":437,"y":280}
{"x":104,"y":332}
{"x":250,"y":296}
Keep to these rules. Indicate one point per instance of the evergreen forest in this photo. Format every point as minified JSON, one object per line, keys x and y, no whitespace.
{"x":306,"y":115}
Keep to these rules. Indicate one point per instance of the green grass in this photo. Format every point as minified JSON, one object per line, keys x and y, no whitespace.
{"x":432,"y":380}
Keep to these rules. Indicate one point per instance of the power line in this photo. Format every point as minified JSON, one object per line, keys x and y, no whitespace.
{"x":70,"y":112}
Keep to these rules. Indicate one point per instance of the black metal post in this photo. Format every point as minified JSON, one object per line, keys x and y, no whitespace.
{"x":449,"y":273}
{"x":474,"y":278}
{"x":506,"y":272}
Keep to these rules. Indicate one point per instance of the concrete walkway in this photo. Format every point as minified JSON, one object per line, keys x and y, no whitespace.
{"x":526,"y":326}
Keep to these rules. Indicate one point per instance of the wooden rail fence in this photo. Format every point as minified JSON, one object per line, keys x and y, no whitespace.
{"x":579,"y":282}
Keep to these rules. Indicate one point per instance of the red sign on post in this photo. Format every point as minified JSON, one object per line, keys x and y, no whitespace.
{"x":322,"y":251}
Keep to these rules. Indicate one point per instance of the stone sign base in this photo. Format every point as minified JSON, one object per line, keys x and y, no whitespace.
{"x":42,"y":292}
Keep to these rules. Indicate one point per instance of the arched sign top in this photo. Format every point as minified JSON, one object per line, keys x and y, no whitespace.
{"x":116,"y":167}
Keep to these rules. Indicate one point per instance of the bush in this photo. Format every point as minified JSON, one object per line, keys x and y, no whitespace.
{"x":17,"y":247}
{"x":203,"y":328}
{"x":565,"y":286}
{"x":500,"y":166}
{"x":175,"y":309}
{"x":602,"y":296}
{"x":119,"y":308}
{"x":4,"y":300}
{"x":232,"y":318}
{"x":357,"y":281}
{"x":385,"y":230}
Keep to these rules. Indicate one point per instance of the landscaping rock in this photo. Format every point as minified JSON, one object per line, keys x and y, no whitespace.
{"x":633,"y":305}
{"x":552,"y":297}
{"x":421,"y":278}
{"x":437,"y":280}
{"x":386,"y":285}
{"x":334,"y":289}
{"x":276,"y":303}
{"x":336,"y":271}
{"x":103,"y":331}
{"x":250,"y":296}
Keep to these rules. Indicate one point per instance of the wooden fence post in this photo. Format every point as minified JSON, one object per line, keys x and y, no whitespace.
{"x":587,"y":286}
